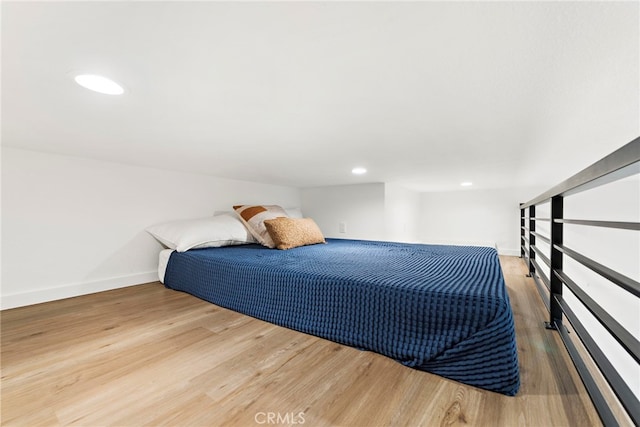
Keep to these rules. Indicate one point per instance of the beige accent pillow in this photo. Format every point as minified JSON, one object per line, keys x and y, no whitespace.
{"x":253,"y":216}
{"x":289,"y":233}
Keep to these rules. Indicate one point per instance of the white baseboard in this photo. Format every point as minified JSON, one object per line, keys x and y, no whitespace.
{"x":74,"y":290}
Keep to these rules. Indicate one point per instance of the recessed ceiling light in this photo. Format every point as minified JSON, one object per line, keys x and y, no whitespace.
{"x":466,"y":184}
{"x":99,"y":84}
{"x":358,"y":171}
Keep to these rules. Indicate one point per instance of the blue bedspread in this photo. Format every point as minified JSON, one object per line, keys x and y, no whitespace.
{"x":441,"y":309}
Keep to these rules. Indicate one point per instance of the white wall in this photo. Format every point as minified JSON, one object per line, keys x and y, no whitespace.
{"x":474,"y":217}
{"x":391,"y":212}
{"x":402,"y":213}
{"x":72,"y":226}
{"x":360,"y":207}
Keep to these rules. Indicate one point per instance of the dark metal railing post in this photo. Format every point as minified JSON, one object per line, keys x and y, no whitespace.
{"x":555,"y":288}
{"x":532,"y":239}
{"x":522,"y":234}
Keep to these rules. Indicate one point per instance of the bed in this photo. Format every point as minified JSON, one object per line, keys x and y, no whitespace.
{"x":441,"y":309}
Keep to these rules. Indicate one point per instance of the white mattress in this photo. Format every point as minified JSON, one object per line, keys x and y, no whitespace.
{"x":163,"y":260}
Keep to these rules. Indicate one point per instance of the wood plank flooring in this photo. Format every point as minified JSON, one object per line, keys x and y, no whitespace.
{"x":146,"y":355}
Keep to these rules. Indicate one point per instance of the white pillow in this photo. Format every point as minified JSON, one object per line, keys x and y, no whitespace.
{"x":212,"y":232}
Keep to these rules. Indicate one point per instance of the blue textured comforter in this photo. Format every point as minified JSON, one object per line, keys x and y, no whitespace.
{"x":441,"y":309}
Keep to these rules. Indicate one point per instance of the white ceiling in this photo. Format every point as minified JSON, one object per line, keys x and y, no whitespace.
{"x":423,"y":94}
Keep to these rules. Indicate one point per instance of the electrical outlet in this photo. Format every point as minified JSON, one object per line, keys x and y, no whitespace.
{"x":342,"y":227}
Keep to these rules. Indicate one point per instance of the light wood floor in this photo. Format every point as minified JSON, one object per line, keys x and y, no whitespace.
{"x":146,"y":355}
